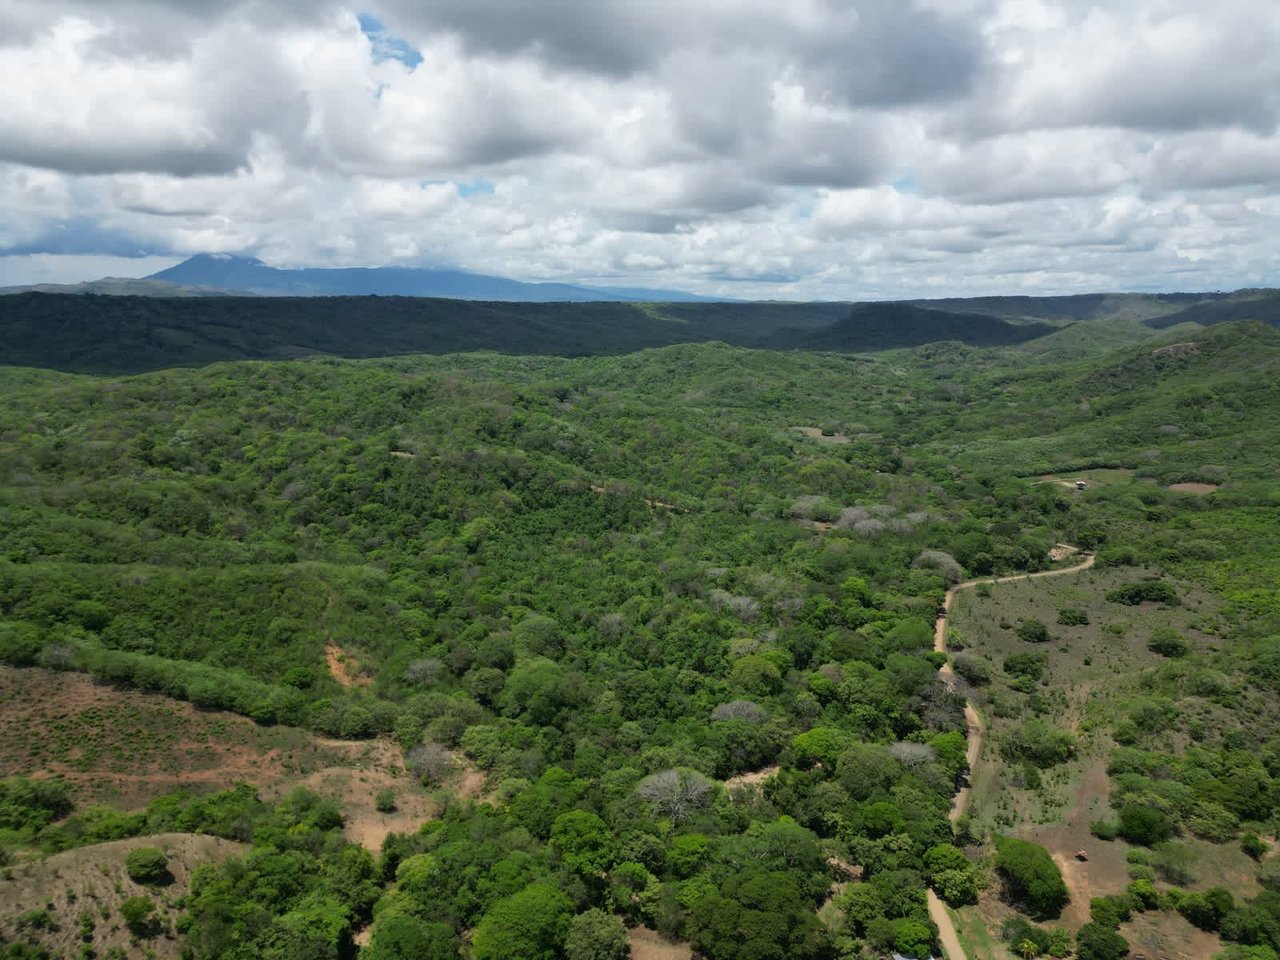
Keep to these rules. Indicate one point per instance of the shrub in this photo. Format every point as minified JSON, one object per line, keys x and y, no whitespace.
{"x":971,"y":669}
{"x":1168,"y":643}
{"x":1033,"y":631}
{"x":1105,"y":829}
{"x":1254,"y":847}
{"x":1145,"y":591}
{"x":1145,"y":826}
{"x":385,"y":801}
{"x":138,"y":915}
{"x":1096,"y":942}
{"x":1073,"y":617}
{"x":147,"y":865}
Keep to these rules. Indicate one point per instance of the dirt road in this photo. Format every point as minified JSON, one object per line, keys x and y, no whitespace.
{"x":977,"y":731}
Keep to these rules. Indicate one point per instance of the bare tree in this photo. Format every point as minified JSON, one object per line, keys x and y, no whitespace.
{"x":423,"y":672}
{"x":740,"y":710}
{"x":430,"y":762}
{"x":675,"y":793}
{"x":944,"y":563}
{"x":911,"y":755}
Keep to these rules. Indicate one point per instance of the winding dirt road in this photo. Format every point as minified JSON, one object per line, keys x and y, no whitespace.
{"x":977,"y":731}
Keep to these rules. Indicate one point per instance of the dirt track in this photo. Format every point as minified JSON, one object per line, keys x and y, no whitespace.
{"x":977,"y":730}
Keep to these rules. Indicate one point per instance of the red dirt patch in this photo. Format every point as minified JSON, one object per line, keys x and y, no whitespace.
{"x":126,"y":748}
{"x":1197,"y":488}
{"x":753,"y":779}
{"x":343,"y":667}
{"x":650,"y":945}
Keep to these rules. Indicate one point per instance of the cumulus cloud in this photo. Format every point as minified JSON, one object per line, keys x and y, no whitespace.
{"x":821,"y":148}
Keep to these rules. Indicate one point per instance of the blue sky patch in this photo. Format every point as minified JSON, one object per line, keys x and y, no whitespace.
{"x":387,"y":46}
{"x":474,"y":188}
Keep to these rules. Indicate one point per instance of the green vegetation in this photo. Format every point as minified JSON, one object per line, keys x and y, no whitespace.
{"x":612,"y":584}
{"x":1031,"y":876}
{"x":147,"y":865}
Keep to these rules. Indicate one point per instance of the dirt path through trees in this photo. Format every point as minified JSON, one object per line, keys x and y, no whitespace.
{"x":977,"y":730}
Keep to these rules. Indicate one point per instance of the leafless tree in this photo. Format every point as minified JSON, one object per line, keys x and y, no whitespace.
{"x":740,"y":710}
{"x":675,"y":793}
{"x":430,"y":762}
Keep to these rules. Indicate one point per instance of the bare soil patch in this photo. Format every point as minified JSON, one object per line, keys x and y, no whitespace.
{"x":92,"y":880}
{"x":125,"y":748}
{"x":650,"y":945}
{"x":753,"y":779}
{"x":343,"y":667}
{"x":1197,"y":488}
{"x":815,"y":433}
{"x":1167,"y":934}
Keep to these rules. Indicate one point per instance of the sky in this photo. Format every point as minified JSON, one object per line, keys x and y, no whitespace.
{"x":807,"y":149}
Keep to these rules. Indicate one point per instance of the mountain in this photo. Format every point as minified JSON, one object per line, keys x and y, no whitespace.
{"x":227,"y":272}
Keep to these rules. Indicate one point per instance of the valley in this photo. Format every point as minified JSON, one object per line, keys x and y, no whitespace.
{"x":482,"y":654}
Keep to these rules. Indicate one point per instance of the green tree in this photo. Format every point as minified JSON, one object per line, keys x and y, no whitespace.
{"x":596,"y":935}
{"x":583,"y":842}
{"x":530,"y":925}
{"x":1145,"y":826}
{"x":147,"y":865}
{"x":1031,"y":876}
{"x":399,"y":936}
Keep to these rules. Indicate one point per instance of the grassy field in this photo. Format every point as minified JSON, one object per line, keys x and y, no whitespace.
{"x":72,"y":900}
{"x":1094,"y":675}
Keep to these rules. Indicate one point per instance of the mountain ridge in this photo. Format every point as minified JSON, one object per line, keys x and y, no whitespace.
{"x":250,"y":275}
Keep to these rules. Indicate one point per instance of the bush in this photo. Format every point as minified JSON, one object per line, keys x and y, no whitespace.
{"x":1168,"y":643}
{"x":147,"y":865}
{"x":1145,"y":591}
{"x":1096,"y":942}
{"x":1033,"y":631}
{"x":971,"y":669}
{"x":1254,"y":847}
{"x":1145,"y":826}
{"x":138,"y":913}
{"x":384,"y":801}
{"x":1031,"y":876}
{"x":1105,"y":829}
{"x":1073,"y":617}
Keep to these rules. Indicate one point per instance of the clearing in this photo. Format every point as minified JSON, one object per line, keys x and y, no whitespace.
{"x":815,"y":433}
{"x":1197,"y":488}
{"x":1091,"y":673}
{"x":648,"y":944}
{"x":126,"y":747}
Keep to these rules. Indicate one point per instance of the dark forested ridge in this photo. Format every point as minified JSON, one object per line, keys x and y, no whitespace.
{"x":107,"y":334}
{"x":674,"y":609}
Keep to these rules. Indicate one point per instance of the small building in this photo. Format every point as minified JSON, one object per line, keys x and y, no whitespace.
{"x":1082,"y":484}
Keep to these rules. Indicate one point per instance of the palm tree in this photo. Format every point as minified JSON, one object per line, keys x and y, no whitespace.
{"x":1028,"y":949}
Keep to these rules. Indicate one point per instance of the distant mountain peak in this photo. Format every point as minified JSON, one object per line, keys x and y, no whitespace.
{"x":228,"y":271}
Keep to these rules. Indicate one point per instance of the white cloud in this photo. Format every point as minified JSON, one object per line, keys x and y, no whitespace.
{"x":820,"y":148}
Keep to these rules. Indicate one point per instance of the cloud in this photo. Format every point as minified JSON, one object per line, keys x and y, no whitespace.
{"x":826,"y":148}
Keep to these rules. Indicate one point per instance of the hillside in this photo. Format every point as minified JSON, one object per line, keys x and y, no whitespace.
{"x":672,"y":613}
{"x":872,"y":326}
